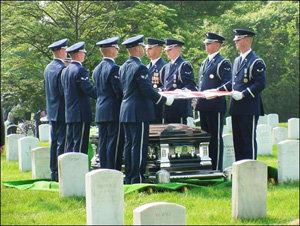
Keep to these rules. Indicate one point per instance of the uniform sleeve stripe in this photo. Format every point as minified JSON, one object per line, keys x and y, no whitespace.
{"x":159,"y":99}
{"x":250,"y":92}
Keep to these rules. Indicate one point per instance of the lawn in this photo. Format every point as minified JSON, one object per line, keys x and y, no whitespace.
{"x":207,"y":205}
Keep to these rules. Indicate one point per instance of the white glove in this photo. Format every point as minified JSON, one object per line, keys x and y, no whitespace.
{"x":237,"y":95}
{"x":190,"y":122}
{"x":211,"y":90}
{"x":170,"y":100}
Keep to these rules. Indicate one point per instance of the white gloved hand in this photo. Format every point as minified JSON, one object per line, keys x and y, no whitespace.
{"x":190,"y":122}
{"x":237,"y":95}
{"x":170,"y":100}
{"x":159,"y":89}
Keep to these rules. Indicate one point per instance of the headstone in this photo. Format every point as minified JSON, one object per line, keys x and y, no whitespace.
{"x":104,"y":197}
{"x":44,"y":132}
{"x":225,"y":130}
{"x":263,"y":120}
{"x":12,"y":146}
{"x":279,"y":134}
{"x":40,"y":163}
{"x":288,"y":160}
{"x":264,"y":139}
{"x":273,"y":120}
{"x":228,"y":152}
{"x":293,"y":128}
{"x":228,"y":123}
{"x":25,"y":144}
{"x":159,"y":213}
{"x":249,"y":189}
{"x":72,"y":167}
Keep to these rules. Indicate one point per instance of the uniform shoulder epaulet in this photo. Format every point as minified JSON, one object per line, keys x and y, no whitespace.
{"x":258,"y":70}
{"x":219,"y":65}
{"x":179,"y":69}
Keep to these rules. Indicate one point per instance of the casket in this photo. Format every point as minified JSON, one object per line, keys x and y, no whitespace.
{"x":181,"y":150}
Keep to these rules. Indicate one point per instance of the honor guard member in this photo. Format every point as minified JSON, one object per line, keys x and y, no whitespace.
{"x":177,"y":74}
{"x":248,"y":81}
{"x":109,"y":98}
{"x":215,"y":73}
{"x":137,"y":109}
{"x":153,"y":50}
{"x":55,"y":103}
{"x":77,"y":90}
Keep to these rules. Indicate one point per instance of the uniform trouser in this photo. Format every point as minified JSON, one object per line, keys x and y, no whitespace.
{"x":177,"y":112}
{"x":136,"y":149}
{"x":111,"y":145}
{"x":244,"y":136}
{"x":212,"y":122}
{"x":57,"y":146}
{"x":78,"y":137}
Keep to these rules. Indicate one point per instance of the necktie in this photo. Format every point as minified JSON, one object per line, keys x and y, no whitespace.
{"x":239,"y":62}
{"x":206,"y":63}
{"x":150,"y":65}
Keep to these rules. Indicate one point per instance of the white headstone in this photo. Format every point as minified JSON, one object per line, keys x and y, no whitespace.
{"x":104,"y":197}
{"x":228,"y":152}
{"x":40,"y":163}
{"x":159,"y":213}
{"x":288,"y":160}
{"x":264,"y":139}
{"x":228,"y":123}
{"x":25,"y":144}
{"x":279,"y":134}
{"x":262,"y":119}
{"x":273,"y":120}
{"x":12,"y":146}
{"x":72,"y":167}
{"x":225,"y":130}
{"x":249,"y":189}
{"x":293,"y":128}
{"x":44,"y":132}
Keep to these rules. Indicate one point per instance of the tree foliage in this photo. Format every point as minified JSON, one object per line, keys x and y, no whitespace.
{"x":28,"y":27}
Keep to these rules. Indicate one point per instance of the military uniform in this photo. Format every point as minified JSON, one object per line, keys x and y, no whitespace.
{"x":177,"y":75}
{"x":77,"y":91}
{"x":154,"y":76}
{"x":137,"y":111}
{"x":55,"y":107}
{"x":109,"y":97}
{"x":215,"y":73}
{"x":248,"y":78}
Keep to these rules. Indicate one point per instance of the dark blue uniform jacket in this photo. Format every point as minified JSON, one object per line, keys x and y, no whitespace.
{"x":78,"y":90}
{"x":54,"y":94}
{"x":250,"y":79}
{"x":216,"y":75}
{"x":138,"y":94}
{"x":109,"y":91}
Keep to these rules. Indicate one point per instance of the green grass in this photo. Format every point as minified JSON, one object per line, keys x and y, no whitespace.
{"x":204,"y":206}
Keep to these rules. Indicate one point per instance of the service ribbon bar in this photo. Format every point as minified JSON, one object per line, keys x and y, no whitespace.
{"x":194,"y":94}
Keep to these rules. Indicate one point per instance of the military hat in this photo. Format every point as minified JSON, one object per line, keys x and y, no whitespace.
{"x":109,"y":42}
{"x":151,"y":42}
{"x":134,"y":41}
{"x":242,"y":33}
{"x":79,"y":46}
{"x":58,"y":44}
{"x":213,"y":37}
{"x":171,"y":43}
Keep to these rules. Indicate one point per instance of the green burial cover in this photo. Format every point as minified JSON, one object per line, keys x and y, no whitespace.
{"x":176,"y":186}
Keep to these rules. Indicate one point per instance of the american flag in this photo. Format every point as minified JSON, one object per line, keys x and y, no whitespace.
{"x":194,"y":94}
